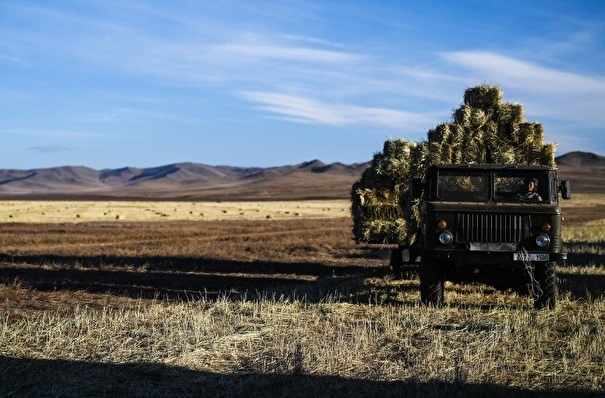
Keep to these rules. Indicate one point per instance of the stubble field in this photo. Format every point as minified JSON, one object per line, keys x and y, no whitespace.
{"x":285,"y":305}
{"x":23,"y":211}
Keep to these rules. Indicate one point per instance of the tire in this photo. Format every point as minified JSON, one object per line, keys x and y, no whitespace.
{"x":546,"y":277}
{"x":396,"y":262}
{"x":431,"y":283}
{"x":414,"y":253}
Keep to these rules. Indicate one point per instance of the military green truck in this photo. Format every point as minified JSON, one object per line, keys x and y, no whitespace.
{"x":481,"y":225}
{"x":452,"y":200}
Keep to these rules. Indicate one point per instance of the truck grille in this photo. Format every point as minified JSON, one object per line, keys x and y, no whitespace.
{"x":478,"y":227}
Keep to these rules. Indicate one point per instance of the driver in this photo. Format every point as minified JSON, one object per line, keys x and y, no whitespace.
{"x":528,"y":192}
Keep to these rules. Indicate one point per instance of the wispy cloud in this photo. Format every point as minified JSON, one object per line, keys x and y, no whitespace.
{"x":132,"y":116}
{"x":519,"y":73}
{"x":52,"y":133}
{"x":16,"y":96}
{"x":307,"y":110}
{"x":312,"y":40}
{"x":50,"y":149}
{"x":300,"y":54}
{"x":548,"y":92}
{"x":11,"y":59}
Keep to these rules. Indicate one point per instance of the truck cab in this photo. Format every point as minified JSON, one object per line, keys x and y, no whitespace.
{"x":494,"y":224}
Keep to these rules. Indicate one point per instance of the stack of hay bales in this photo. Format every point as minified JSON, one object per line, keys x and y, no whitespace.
{"x":487,"y":130}
{"x":376,"y":208}
{"x":483,"y":130}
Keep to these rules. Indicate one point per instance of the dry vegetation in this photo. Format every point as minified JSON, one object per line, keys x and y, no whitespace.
{"x":280,"y":307}
{"x":29,"y":211}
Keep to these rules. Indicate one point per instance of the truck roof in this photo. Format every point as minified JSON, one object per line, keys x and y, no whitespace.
{"x":491,"y":166}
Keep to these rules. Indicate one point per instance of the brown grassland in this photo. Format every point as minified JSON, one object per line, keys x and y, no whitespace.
{"x":286,"y":305}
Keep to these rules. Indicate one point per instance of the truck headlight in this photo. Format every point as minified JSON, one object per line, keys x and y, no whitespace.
{"x":445,"y":238}
{"x":542,"y":240}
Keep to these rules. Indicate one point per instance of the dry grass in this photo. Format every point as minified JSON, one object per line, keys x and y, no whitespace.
{"x":281,"y":308}
{"x":31,"y":211}
{"x":234,"y":347}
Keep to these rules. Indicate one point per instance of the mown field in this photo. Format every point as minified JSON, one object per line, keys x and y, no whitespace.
{"x":26,"y":211}
{"x":286,"y":305}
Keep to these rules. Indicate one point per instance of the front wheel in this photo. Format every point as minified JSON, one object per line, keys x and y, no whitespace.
{"x":546,"y":279}
{"x":431,"y":283}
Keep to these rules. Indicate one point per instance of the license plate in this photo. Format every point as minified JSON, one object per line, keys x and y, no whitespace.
{"x":531,"y":257}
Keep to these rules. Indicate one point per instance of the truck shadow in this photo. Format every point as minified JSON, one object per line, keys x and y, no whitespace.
{"x":172,"y":277}
{"x":586,"y":285}
{"x":186,"y":278}
{"x":585,"y":253}
{"x":581,"y":286}
{"x":43,"y":377}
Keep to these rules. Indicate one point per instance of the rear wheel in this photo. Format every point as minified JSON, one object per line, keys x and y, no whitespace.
{"x":397,"y":262}
{"x":546,"y":278}
{"x":431,"y":283}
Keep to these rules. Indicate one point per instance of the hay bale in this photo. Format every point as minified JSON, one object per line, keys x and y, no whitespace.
{"x":462,"y":115}
{"x":474,"y":149}
{"x":382,"y":211}
{"x":385,"y":231}
{"x":452,"y":150}
{"x":396,"y":160}
{"x":483,"y":96}
{"x":478,"y":119}
{"x":509,"y":117}
{"x":548,"y":155}
{"x":531,"y":136}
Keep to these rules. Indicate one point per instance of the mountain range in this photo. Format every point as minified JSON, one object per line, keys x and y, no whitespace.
{"x":194,"y":181}
{"x":183,"y":181}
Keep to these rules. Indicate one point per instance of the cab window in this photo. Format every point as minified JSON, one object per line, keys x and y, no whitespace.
{"x":520,"y":187}
{"x":462,"y":186}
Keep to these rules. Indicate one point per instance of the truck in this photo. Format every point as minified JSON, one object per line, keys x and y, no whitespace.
{"x":479,"y":226}
{"x":454,"y":201}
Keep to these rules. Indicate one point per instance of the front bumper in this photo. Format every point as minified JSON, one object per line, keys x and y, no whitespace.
{"x":475,"y":257}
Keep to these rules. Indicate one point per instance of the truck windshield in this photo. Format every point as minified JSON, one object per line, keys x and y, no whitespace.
{"x":462,"y":185}
{"x":520,"y":186}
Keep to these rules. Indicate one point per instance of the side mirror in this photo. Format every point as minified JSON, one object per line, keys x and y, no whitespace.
{"x":416,"y":188}
{"x":565,"y":189}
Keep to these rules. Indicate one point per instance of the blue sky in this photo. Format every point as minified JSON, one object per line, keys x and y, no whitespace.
{"x":109,"y":84}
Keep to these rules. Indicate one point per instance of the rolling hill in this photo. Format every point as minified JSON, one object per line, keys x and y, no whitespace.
{"x":193,"y":181}
{"x":585,"y":170}
{"x":184,"y":181}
